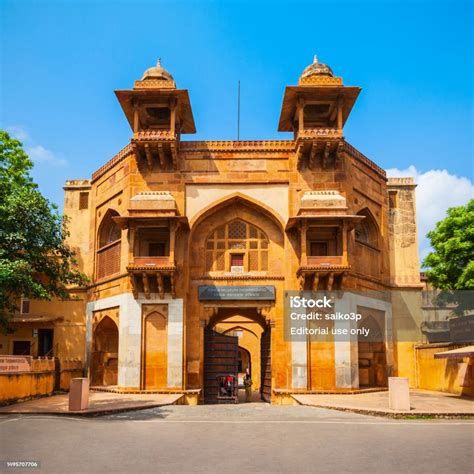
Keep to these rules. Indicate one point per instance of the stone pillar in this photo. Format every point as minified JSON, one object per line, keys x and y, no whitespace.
{"x":130,"y":341}
{"x":346,"y":351}
{"x":299,"y":357}
{"x":79,"y":394}
{"x":299,"y":364}
{"x":175,"y":343}
{"x":398,"y":394}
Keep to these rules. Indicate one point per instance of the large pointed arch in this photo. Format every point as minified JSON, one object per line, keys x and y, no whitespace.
{"x":237,"y":208}
{"x":232,"y":199}
{"x":367,"y":230}
{"x":108,"y":230}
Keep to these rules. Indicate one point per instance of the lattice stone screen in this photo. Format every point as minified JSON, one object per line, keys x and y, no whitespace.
{"x":237,"y":237}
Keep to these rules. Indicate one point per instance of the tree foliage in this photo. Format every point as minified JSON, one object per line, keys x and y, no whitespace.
{"x":35,"y":261}
{"x":450,"y":267}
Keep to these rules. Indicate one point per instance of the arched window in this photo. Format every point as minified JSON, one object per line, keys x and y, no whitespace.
{"x":366,"y":231}
{"x":108,"y":253}
{"x":106,"y":336}
{"x":237,"y":246}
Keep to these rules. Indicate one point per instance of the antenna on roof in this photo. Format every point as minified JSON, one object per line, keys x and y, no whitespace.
{"x":238,"y":110}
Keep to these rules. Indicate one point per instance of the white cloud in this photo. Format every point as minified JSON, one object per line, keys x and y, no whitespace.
{"x":18,"y":132}
{"x":40,"y":154}
{"x":37,"y":153}
{"x":437,"y":191}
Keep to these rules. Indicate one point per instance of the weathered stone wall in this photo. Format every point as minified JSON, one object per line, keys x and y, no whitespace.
{"x":404,"y":256}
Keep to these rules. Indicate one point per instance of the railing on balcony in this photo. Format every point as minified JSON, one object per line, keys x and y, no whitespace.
{"x":327,"y":132}
{"x":152,"y":261}
{"x":325,"y":261}
{"x":155,"y":134}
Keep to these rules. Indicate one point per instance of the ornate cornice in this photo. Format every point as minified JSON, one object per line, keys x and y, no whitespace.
{"x":77,"y":184}
{"x":151,"y":268}
{"x":154,"y":84}
{"x":120,"y":156}
{"x":363,"y":159}
{"x":237,"y":146}
{"x":408,"y":181}
{"x":237,"y":277}
{"x":320,"y":81}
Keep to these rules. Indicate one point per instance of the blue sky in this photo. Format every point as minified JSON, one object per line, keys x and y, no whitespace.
{"x":61,"y":61}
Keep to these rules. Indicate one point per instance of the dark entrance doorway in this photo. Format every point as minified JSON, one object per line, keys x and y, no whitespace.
{"x":21,"y":348}
{"x":45,"y":342}
{"x":221,"y":357}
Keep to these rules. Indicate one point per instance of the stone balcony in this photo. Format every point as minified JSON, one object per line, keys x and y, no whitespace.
{"x":319,"y":147}
{"x":149,"y":274}
{"x":156,"y":148}
{"x":322,"y":272}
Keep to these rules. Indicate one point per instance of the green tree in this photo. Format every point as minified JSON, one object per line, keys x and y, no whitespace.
{"x":35,"y":261}
{"x":450,"y":267}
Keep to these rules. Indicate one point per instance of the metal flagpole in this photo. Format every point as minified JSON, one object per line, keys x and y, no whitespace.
{"x":238,"y":110}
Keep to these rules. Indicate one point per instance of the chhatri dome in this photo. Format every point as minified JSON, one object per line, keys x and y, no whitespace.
{"x":157,"y":72}
{"x":317,"y":69}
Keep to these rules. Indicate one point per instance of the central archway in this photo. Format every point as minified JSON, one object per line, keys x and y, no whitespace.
{"x":236,"y":340}
{"x":236,"y":242}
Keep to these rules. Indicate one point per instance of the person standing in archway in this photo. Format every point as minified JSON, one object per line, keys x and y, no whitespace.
{"x":248,"y":386}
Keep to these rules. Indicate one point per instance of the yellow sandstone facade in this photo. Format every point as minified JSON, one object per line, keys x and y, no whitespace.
{"x":169,"y":229}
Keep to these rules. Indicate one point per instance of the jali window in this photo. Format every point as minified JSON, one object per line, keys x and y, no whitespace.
{"x":237,"y":242}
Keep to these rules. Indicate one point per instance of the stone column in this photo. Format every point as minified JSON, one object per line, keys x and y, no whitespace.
{"x":175,"y":343}
{"x":346,"y":351}
{"x":299,"y":363}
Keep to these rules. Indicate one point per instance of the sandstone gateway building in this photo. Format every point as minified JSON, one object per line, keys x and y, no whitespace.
{"x":191,"y":245}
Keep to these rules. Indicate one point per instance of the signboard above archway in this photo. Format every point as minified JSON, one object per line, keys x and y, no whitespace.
{"x":210,"y":292}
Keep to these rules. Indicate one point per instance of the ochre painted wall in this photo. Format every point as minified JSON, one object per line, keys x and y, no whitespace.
{"x":441,"y":374}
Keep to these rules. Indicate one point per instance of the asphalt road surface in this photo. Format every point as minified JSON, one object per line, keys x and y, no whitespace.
{"x":242,"y":438}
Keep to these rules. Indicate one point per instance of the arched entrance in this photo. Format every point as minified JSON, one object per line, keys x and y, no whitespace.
{"x":244,"y":362}
{"x":248,"y":334}
{"x":105,"y":353}
{"x":234,"y":341}
{"x":235,"y":243}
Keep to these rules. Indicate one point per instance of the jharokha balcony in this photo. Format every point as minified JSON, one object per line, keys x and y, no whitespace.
{"x":152,"y":275}
{"x":323,"y":224}
{"x":156,"y":146}
{"x":322,"y":272}
{"x":152,"y":222}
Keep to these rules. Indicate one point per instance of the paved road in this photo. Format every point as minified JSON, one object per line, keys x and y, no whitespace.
{"x":246,"y":438}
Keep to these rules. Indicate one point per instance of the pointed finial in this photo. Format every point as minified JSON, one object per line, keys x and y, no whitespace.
{"x":315,"y":59}
{"x":158,"y":62}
